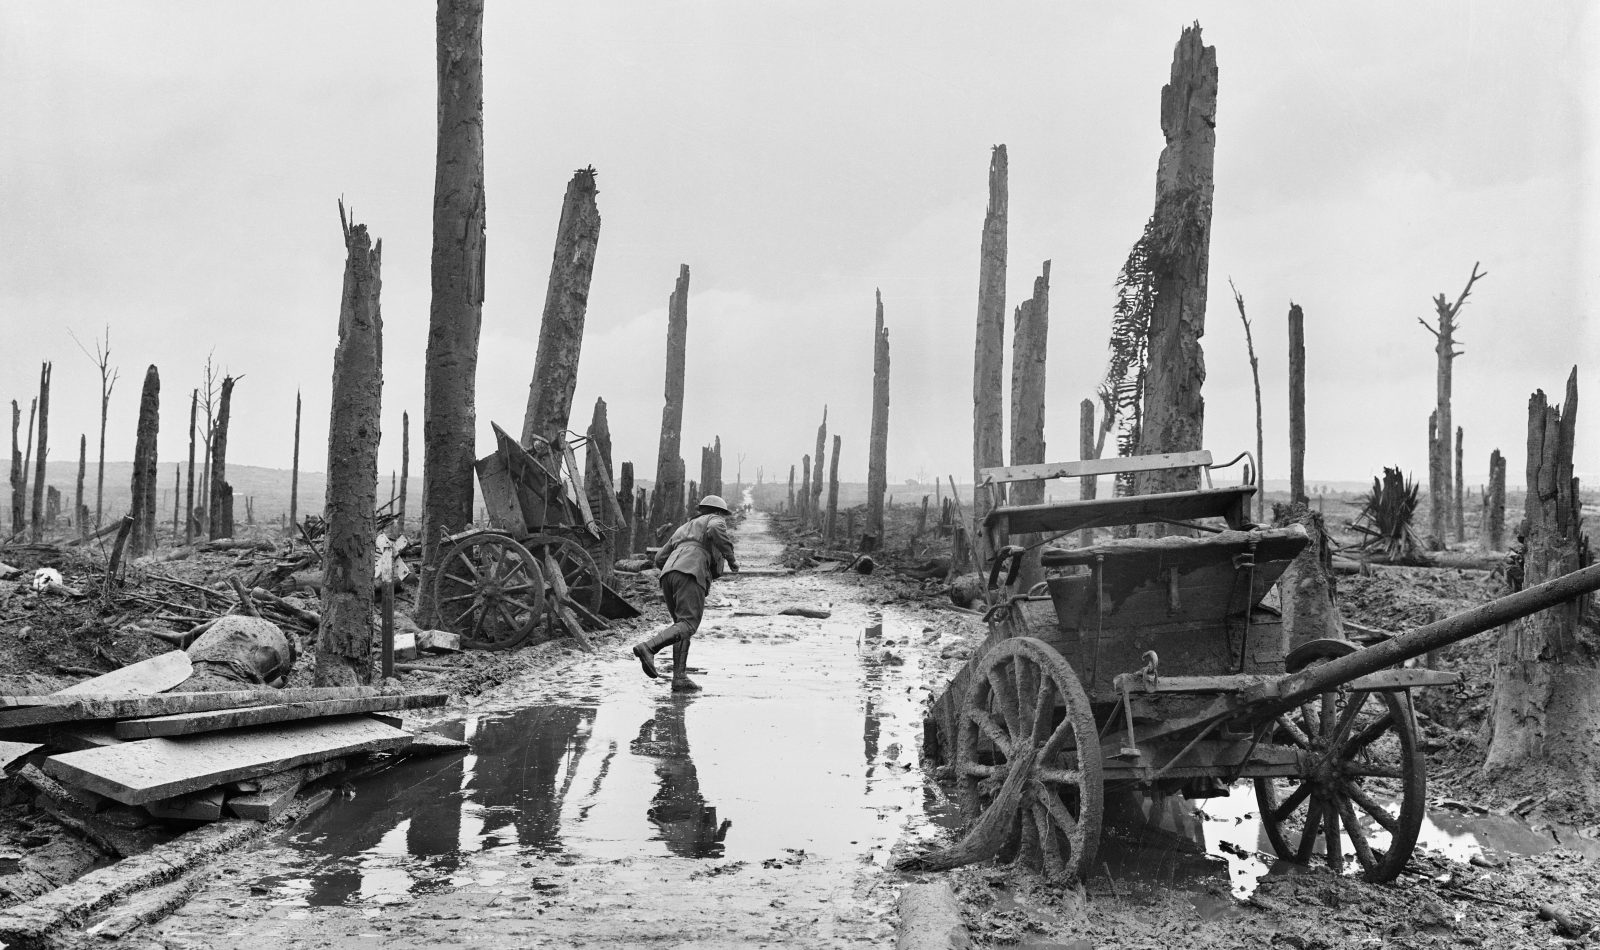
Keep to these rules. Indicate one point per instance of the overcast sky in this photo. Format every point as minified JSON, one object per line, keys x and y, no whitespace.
{"x":170,"y":170}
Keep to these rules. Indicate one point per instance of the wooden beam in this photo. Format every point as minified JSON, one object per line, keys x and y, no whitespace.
{"x":183,"y":724}
{"x":72,"y":707}
{"x":152,"y":769}
{"x":1083,"y":467}
{"x":137,"y":679}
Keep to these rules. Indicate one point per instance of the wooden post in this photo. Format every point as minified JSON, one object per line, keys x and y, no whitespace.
{"x":1297,"y":405}
{"x":344,"y":640}
{"x":1087,"y":449}
{"x":77,"y":502}
{"x":817,"y":511}
{"x":1495,"y":504}
{"x":566,"y":303}
{"x":143,"y":507}
{"x":294,"y":473}
{"x":37,"y":525}
{"x":833,"y":491}
{"x":221,"y":492}
{"x":1173,"y":410}
{"x":405,"y":466}
{"x":188,"y":504}
{"x":388,"y":625}
{"x":1028,"y":348}
{"x":19,"y":503}
{"x":597,"y":485}
{"x":669,"y":465}
{"x":449,"y":420}
{"x":988,"y":421}
{"x":1461,"y":492}
{"x":1255,"y":379}
{"x":878,"y":449}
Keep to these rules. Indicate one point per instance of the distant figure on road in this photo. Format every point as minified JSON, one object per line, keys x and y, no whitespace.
{"x":689,"y":561}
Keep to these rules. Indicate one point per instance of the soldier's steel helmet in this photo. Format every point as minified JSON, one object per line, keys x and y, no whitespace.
{"x":715,"y":501}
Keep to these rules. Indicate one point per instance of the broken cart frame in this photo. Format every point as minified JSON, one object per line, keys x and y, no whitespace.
{"x":536,"y":557}
{"x":1154,"y":665}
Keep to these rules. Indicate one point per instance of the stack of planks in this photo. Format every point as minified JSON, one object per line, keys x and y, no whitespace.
{"x":122,"y":742}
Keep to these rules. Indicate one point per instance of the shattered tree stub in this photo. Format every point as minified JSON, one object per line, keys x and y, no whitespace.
{"x":566,"y":304}
{"x":667,"y":504}
{"x":1174,"y":410}
{"x":1028,"y":348}
{"x":596,"y":478}
{"x":988,"y":374}
{"x":1546,"y":675}
{"x":1494,"y":504}
{"x":142,"y":538}
{"x":344,"y":639}
{"x":815,"y":502}
{"x":878,"y":447}
{"x":1440,"y":481}
{"x":833,"y":492}
{"x":455,"y":312}
{"x":221,"y":506}
{"x":36,"y":526}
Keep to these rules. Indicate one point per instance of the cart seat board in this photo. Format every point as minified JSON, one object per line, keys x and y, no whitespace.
{"x":1111,"y":466}
{"x":1231,"y":504}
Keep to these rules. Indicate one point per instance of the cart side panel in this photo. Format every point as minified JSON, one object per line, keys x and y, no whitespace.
{"x":1185,"y":648}
{"x":499,"y":497}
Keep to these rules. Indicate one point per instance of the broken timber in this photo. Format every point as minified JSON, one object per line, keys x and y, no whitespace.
{"x":57,"y":707}
{"x":152,"y":769}
{"x":158,"y":673}
{"x":183,"y":724}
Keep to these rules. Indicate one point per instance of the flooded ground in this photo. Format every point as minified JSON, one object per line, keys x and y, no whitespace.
{"x":606,"y":810}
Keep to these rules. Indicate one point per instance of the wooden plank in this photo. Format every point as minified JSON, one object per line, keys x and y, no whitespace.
{"x":1083,"y":467}
{"x":296,"y":776}
{"x":151,"y":769}
{"x":12,"y":751}
{"x":55,"y":708}
{"x":577,"y":489}
{"x":1404,"y":679}
{"x":199,"y":806}
{"x":1068,"y":516}
{"x":155,"y":675}
{"x":264,"y":805}
{"x":183,"y":724}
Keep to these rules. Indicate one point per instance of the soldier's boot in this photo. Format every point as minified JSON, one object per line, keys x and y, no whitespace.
{"x":681,"y":683}
{"x":645,"y":650}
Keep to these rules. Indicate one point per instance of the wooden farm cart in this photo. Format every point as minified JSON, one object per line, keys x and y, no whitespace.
{"x":495,"y":584}
{"x":1154,"y":665}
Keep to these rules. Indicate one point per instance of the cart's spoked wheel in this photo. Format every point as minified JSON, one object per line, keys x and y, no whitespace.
{"x":1361,"y":760}
{"x":1024,"y":694}
{"x":490,"y":590}
{"x":577,"y":567}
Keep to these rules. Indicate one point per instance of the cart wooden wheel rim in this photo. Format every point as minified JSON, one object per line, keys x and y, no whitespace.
{"x":490,"y":590}
{"x":1024,"y":690}
{"x":578,"y":568}
{"x":1350,"y":742}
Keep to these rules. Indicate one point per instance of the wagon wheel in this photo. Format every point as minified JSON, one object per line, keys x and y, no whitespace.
{"x":1023,"y":694}
{"x":490,"y":590}
{"x":1356,"y":748}
{"x":577,"y":567}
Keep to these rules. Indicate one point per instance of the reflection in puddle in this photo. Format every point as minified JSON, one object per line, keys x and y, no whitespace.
{"x":802,"y":746}
{"x":1172,"y":841}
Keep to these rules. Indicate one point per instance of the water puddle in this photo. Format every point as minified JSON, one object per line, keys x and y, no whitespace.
{"x":802,"y":749}
{"x":1167,"y":842}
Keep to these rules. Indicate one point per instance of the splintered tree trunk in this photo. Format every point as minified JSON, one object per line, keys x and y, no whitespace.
{"x":989,"y":352}
{"x":833,"y":491}
{"x":597,"y":485}
{"x":1297,"y":405}
{"x":37,"y":526}
{"x":1546,"y":708}
{"x":816,"y":483}
{"x":77,"y":500}
{"x":294,"y":473}
{"x":221,"y":492}
{"x":405,"y":466}
{"x":1174,"y":411}
{"x":1028,"y":340}
{"x":641,"y":520}
{"x":705,"y":467}
{"x":143,"y":507}
{"x":566,"y":302}
{"x":27,"y":461}
{"x":19,"y":504}
{"x":344,"y":640}
{"x":188,"y":503}
{"x":805,"y":489}
{"x":1461,"y":490}
{"x":1436,"y":492}
{"x":878,"y":449}
{"x":669,"y":466}
{"x":449,"y":417}
{"x":177,"y":498}
{"x":1495,"y":503}
{"x":625,"y":531}
{"x":789,"y":509}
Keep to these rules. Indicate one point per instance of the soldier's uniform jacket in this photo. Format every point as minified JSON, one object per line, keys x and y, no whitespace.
{"x":700,"y":548}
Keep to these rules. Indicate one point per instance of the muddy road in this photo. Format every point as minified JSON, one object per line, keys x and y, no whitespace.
{"x":596,"y":808}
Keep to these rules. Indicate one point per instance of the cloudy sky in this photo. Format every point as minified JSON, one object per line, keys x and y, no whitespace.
{"x":170,"y":171}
